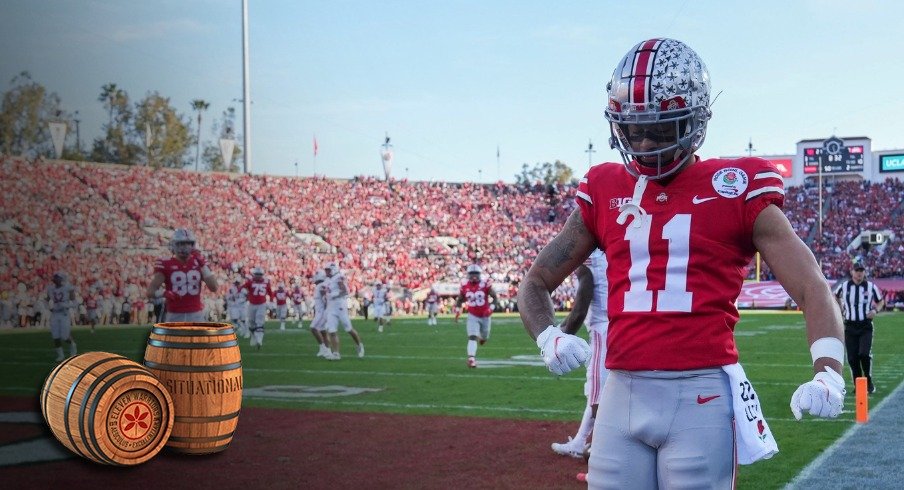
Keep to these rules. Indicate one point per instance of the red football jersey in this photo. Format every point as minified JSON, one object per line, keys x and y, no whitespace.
{"x":432,"y":297}
{"x":90,"y":302}
{"x":297,"y":296}
{"x":258,"y":291}
{"x":674,"y":278}
{"x":477,"y":297}
{"x":184,"y":279}
{"x":281,"y":296}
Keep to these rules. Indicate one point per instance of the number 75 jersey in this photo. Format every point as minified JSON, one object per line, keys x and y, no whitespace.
{"x":675,"y":272}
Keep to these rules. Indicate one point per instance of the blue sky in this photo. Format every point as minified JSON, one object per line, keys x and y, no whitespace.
{"x":449,"y":81}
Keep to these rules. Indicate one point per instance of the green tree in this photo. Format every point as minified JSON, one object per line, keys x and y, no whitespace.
{"x":545,"y":173}
{"x":200,"y":106}
{"x":26,"y":109}
{"x":222,"y":129}
{"x":120,"y":143}
{"x":158,"y":123}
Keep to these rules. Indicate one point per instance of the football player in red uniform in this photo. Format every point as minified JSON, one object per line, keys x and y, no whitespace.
{"x":281,"y":295}
{"x":182,"y":275}
{"x":299,"y":303}
{"x":259,"y":290}
{"x":476,"y":292}
{"x":678,"y":233}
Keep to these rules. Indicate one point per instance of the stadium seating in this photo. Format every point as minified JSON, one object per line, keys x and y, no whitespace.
{"x":104,"y":225}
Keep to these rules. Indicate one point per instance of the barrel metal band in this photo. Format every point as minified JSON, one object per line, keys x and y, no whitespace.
{"x":181,"y":332}
{"x":139,"y":372}
{"x":200,"y":450}
{"x":193,"y":369}
{"x":192,"y":345}
{"x":75,"y":383}
{"x":202,"y":439}
{"x":212,"y":418}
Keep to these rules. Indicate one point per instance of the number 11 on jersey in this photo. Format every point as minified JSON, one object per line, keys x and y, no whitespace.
{"x":675,"y":296}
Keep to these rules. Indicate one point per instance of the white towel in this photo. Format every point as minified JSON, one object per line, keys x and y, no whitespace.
{"x":753,"y":436}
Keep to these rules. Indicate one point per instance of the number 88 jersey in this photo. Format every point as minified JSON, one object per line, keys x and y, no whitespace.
{"x":184,"y":279}
{"x":675,"y":272}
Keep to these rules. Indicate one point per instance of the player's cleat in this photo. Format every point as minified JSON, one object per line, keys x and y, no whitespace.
{"x":361,"y":350}
{"x":282,"y":327}
{"x":581,"y":477}
{"x":380,"y":329}
{"x":482,"y":341}
{"x":572,"y":448}
{"x":472,"y":363}
{"x":870,"y":387}
{"x":323,"y":351}
{"x":59,"y":358}
{"x":333,"y":356}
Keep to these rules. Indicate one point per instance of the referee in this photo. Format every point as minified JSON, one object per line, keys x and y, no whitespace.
{"x":860,"y":300}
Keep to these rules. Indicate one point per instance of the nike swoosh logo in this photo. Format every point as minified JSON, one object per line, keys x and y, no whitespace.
{"x":701,"y":400}
{"x":697,"y":200}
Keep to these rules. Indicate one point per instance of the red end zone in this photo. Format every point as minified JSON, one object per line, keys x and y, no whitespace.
{"x":294,"y":449}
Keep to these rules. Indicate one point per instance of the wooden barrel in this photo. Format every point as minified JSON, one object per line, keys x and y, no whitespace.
{"x":201,"y":367}
{"x":107,"y":408}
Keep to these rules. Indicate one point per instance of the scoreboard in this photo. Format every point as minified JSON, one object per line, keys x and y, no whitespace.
{"x":833,"y":157}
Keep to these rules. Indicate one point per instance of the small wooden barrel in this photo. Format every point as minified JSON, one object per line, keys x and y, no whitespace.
{"x":201,"y":367}
{"x":107,"y":408}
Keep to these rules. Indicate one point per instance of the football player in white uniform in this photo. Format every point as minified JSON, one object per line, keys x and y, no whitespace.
{"x":589,"y":308}
{"x":318,"y":324}
{"x":61,"y":297}
{"x":381,"y":305}
{"x":236,"y":305}
{"x":337,"y":310}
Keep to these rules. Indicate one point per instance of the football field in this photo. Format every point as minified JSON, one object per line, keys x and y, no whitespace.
{"x":415,"y":369}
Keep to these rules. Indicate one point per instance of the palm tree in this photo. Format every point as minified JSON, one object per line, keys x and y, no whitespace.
{"x":199,"y":105}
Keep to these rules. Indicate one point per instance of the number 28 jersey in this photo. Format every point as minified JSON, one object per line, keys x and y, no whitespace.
{"x":675,"y":272}
{"x":184,"y":279}
{"x":477,"y":297}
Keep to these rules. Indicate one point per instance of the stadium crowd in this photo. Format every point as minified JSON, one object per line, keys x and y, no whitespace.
{"x":104,"y":225}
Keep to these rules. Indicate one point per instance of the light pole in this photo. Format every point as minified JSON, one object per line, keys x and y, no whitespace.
{"x":78,"y":139}
{"x":589,"y":151}
{"x":296,"y":169}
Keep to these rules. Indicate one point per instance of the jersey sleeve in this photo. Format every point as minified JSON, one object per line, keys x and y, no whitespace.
{"x":766,"y":187}
{"x":159,"y":266}
{"x":585,"y":204}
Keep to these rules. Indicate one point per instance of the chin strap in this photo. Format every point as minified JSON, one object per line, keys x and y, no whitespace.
{"x":632,"y":207}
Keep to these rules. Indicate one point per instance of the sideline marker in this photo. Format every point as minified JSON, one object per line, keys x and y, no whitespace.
{"x":862,"y":402}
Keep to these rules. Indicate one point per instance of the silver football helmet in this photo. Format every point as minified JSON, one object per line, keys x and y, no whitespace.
{"x":659,"y":91}
{"x":182,"y":243}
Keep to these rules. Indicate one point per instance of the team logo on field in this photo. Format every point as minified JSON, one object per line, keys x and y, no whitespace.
{"x":730,"y":182}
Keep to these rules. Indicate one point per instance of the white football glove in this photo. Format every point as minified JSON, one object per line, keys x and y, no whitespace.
{"x":562,"y":352}
{"x":822,"y":397}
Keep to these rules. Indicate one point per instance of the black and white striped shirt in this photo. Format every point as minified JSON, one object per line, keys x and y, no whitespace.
{"x":857,"y":299}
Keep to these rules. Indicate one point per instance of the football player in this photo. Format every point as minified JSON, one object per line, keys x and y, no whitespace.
{"x":678,"y":232}
{"x":60,"y":296}
{"x":590,"y":309}
{"x":381,"y":305}
{"x":432,"y":303}
{"x":258,"y":290}
{"x":318,"y":324}
{"x":282,"y":305}
{"x":476,"y":292}
{"x":337,"y":310}
{"x":299,"y":302}
{"x":182,"y":275}
{"x":236,"y":306}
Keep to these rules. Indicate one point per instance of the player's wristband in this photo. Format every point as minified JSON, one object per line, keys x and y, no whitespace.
{"x":829,"y":347}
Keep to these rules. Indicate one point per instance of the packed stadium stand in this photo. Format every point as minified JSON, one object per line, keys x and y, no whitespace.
{"x":104,"y":225}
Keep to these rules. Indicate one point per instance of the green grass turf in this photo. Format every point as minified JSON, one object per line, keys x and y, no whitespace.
{"x":415,"y":368}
